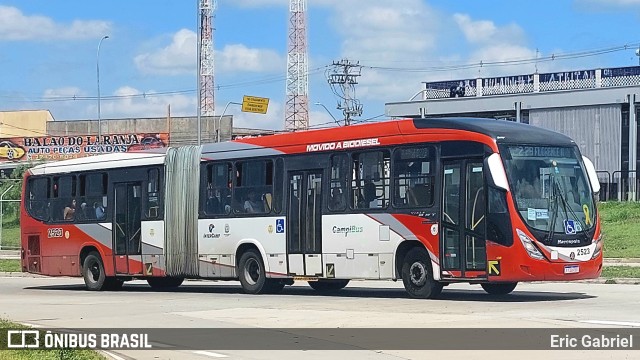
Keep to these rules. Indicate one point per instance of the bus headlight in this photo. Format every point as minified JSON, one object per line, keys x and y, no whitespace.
{"x":598,"y":248}
{"x":532,"y":250}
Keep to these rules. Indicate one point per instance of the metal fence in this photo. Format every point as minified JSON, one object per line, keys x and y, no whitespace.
{"x":619,"y":185}
{"x":10,"y":213}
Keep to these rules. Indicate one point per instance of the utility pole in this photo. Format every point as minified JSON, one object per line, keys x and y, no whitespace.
{"x":343,"y":80}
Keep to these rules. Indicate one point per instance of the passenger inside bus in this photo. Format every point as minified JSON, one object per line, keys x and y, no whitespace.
{"x":69,"y":211}
{"x":253,"y":205}
{"x":528,"y":186}
{"x":100,"y":212}
{"x":337,"y":201}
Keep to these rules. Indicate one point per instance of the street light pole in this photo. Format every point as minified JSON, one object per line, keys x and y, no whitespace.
{"x":327,"y":110}
{"x":220,"y":118}
{"x":98,"y":77}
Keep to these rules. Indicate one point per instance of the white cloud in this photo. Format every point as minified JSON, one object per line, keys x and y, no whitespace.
{"x":238,"y":57}
{"x":63,"y":92}
{"x":15,"y":26}
{"x":273,"y":119}
{"x":130,"y":104}
{"x":179,"y":57}
{"x":485,"y":31}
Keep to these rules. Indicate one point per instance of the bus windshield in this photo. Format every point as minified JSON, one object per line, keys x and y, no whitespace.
{"x":550,"y":188}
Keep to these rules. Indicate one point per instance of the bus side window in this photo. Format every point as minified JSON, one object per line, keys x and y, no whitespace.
{"x":338,"y":183}
{"x":370,"y":180}
{"x":254,"y":180}
{"x":413,"y":176}
{"x":39,"y":194}
{"x":93,"y":193}
{"x":152,"y":206}
{"x":498,"y":220}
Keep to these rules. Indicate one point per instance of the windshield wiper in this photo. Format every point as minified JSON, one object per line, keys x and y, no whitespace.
{"x":552,"y":198}
{"x":565,"y":205}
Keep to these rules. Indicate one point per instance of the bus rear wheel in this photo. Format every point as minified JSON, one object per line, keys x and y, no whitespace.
{"x":417,"y":275}
{"x":93,"y":272}
{"x":165,"y":282}
{"x":328,"y":285}
{"x":252,"y":275}
{"x":499,"y":288}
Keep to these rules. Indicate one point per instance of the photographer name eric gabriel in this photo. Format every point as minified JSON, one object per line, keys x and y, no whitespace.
{"x":592,"y":341}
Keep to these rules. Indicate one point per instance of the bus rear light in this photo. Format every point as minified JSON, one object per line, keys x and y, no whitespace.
{"x":598,"y":248}
{"x":528,"y":244}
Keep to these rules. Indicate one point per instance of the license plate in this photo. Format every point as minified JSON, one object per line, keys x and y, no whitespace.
{"x":572,"y":269}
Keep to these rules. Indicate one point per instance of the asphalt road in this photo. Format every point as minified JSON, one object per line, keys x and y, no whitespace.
{"x":63,"y":302}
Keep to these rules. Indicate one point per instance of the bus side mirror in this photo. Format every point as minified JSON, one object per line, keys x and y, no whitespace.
{"x":497,"y":175}
{"x":593,"y":176}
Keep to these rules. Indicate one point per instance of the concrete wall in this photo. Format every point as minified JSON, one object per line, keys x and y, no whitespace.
{"x":24,"y":123}
{"x":182,"y":130}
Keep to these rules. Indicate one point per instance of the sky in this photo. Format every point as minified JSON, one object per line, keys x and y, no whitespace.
{"x":48,"y":51}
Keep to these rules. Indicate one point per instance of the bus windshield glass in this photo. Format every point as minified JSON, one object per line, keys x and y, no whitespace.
{"x":551,"y":188}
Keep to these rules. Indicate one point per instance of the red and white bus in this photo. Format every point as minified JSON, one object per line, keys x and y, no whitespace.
{"x":428,"y":201}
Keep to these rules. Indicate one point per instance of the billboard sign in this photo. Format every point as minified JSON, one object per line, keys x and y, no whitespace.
{"x":54,"y":148}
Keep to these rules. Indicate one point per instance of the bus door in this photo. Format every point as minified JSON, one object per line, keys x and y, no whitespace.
{"x":127,"y":244}
{"x":462,"y":239}
{"x":304,"y":221}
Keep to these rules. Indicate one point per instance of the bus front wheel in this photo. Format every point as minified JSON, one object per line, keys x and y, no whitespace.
{"x":93,"y":272}
{"x":499,"y":288}
{"x":417,"y":275}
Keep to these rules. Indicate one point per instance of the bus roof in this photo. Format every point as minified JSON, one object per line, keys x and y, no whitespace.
{"x":106,"y":161}
{"x":500,"y":130}
{"x":297,"y":142}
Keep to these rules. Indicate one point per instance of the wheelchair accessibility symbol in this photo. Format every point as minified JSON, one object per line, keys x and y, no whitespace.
{"x":279,"y":226}
{"x":570,"y":227}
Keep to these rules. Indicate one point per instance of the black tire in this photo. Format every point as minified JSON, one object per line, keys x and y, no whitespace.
{"x":328,"y":285}
{"x":251,"y":273}
{"x":113,"y":284}
{"x":499,"y":288}
{"x":93,"y":272}
{"x":417,"y":275}
{"x":165,"y":282}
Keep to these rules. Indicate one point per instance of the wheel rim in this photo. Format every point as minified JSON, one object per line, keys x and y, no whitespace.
{"x":252,"y":271}
{"x":418,"y":274}
{"x":94,"y":271}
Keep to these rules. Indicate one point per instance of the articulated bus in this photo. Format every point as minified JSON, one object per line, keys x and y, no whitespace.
{"x":428,"y":201}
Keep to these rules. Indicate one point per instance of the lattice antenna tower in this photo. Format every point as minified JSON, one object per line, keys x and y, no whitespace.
{"x":343,"y":78}
{"x":205,"y":56}
{"x":297,"y":97}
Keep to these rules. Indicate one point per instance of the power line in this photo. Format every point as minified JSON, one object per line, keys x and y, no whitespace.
{"x":258,"y":81}
{"x":523,"y":61}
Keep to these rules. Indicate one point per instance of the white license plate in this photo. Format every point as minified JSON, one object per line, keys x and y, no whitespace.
{"x":572,"y":269}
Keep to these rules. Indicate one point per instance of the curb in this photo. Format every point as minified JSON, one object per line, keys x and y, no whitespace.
{"x":22,"y":275}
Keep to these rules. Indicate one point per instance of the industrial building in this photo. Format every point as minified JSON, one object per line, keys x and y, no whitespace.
{"x":598,"y":108}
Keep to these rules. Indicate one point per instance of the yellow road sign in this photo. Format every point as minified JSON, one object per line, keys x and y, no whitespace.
{"x":255,"y":104}
{"x":494,"y":267}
